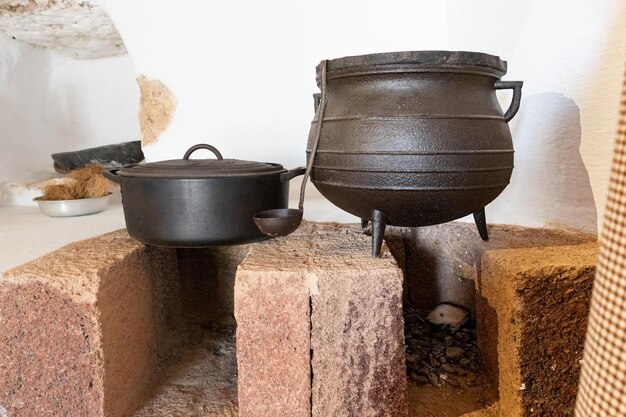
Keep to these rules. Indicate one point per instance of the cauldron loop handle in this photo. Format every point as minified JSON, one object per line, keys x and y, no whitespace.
{"x":517,"y":96}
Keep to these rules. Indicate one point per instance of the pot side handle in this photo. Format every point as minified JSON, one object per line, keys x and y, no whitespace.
{"x":517,"y":96}
{"x":291,"y":174}
{"x":111,"y":174}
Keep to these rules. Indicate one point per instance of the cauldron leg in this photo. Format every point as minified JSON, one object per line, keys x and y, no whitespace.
{"x":364,"y":223}
{"x":481,"y":224}
{"x":378,"y":231}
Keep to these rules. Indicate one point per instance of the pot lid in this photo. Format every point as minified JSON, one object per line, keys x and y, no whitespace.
{"x":424,"y":60}
{"x":201,"y":168}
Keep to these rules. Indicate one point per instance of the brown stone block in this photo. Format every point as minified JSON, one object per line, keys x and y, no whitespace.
{"x":272,"y":310}
{"x":532,"y":306}
{"x":441,"y":262}
{"x":81,"y":328}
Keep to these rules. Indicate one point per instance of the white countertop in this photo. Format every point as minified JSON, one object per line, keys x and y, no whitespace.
{"x":26,"y":233}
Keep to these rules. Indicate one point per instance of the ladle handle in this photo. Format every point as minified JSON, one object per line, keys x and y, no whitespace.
{"x":318,"y":133}
{"x":203,"y":146}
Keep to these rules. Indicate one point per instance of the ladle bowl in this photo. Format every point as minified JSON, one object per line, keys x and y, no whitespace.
{"x":278,"y":222}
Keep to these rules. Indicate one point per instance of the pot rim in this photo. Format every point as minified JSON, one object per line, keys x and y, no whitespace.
{"x":202,"y":168}
{"x":415,"y":61}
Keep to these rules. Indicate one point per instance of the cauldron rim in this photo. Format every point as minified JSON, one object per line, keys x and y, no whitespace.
{"x":427,"y":59}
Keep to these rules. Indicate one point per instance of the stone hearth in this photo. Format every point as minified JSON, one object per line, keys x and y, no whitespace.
{"x":109,"y":327}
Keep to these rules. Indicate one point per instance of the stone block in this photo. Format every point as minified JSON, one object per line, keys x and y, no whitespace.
{"x":81,"y":328}
{"x":442,"y":262}
{"x":532,"y":304}
{"x":273,"y":343}
{"x":320,"y":328}
{"x":357,"y":334}
{"x":207,"y":281}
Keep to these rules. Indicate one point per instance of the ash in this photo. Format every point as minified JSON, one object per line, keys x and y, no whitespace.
{"x":440,"y":354}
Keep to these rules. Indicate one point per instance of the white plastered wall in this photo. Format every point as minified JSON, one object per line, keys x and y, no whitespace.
{"x":242,"y":73}
{"x":51,"y":103}
{"x":571,"y":56}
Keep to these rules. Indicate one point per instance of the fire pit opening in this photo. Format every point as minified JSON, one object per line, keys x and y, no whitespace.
{"x":453,"y":318}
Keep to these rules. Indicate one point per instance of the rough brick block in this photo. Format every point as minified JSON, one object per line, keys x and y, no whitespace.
{"x":354,"y":332}
{"x":81,"y":328}
{"x":442,"y":262}
{"x":272,"y":310}
{"x":532,"y":305}
{"x":273,"y":343}
{"x":358,"y":347}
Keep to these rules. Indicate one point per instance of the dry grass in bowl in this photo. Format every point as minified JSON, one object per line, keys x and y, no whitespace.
{"x":87,"y":182}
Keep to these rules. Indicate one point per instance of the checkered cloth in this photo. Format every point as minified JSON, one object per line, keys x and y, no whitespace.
{"x":602,"y":389}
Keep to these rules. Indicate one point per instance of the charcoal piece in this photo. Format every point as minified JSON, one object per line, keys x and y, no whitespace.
{"x":111,"y":156}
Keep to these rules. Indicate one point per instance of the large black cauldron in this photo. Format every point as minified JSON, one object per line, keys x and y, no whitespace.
{"x":413,"y":138}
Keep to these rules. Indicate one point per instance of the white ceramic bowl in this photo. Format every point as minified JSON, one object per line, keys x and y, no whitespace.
{"x":68,"y":208}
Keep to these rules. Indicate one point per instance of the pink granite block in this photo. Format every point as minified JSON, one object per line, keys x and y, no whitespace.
{"x":355,"y":329}
{"x":81,"y":328}
{"x":49,"y":362}
{"x":357,"y":332}
{"x":273,"y":343}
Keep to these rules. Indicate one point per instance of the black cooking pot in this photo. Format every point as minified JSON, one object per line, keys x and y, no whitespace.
{"x":412,"y":138}
{"x":200,"y":202}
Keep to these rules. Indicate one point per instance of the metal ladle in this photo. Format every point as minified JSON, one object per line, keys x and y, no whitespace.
{"x":283,"y":221}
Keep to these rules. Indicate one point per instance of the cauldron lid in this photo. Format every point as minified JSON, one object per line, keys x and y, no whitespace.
{"x":426,"y":59}
{"x":201,"y":168}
